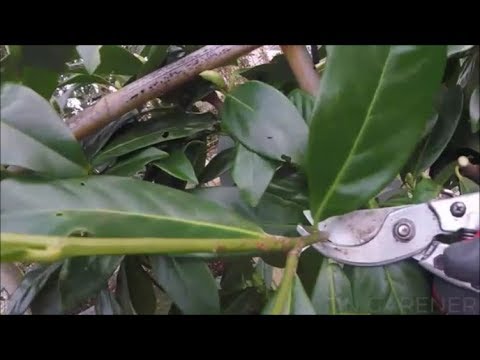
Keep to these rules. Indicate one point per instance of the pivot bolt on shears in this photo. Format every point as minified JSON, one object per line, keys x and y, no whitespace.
{"x":376,"y":237}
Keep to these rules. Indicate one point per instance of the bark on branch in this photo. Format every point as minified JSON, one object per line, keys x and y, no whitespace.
{"x":302,"y":67}
{"x":114,"y":105}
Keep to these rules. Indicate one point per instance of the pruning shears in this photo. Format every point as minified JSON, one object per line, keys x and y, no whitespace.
{"x":382,"y":236}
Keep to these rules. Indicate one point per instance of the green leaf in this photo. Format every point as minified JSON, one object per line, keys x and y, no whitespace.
{"x":117,"y":60}
{"x":426,"y":190}
{"x":308,"y":268}
{"x":458,"y":50}
{"x":292,"y":187}
{"x":81,"y":278}
{"x":134,"y":162}
{"x":474,"y":110}
{"x":156,"y":56}
{"x":159,"y":129}
{"x":367,"y":123}
{"x":84,"y":79}
{"x":42,"y":81}
{"x":272,"y":212}
{"x":446,"y":174}
{"x":298,"y":302}
{"x":106,"y":304}
{"x":90,"y":55}
{"x":48,"y":300}
{"x":265,"y":121}
{"x":332,"y":293}
{"x":252,"y":174}
{"x":246,"y":302}
{"x":31,"y":285}
{"x":467,"y":186}
{"x":178,"y":165}
{"x":399,"y":288}
{"x":47,"y":57}
{"x":304,"y":102}
{"x":188,"y":282}
{"x":112,"y":206}
{"x":34,"y":137}
{"x":140,"y":287}
{"x":122,"y":294}
{"x":220,"y":164}
{"x":95,"y":142}
{"x":464,"y":138}
{"x":196,"y":152}
{"x":433,"y":145}
{"x":214,"y":77}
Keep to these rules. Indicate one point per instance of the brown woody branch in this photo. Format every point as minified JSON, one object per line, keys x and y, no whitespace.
{"x":137,"y":93}
{"x":302,"y":67}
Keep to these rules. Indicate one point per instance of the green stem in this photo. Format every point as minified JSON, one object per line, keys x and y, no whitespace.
{"x":283,"y":298}
{"x":38,"y":248}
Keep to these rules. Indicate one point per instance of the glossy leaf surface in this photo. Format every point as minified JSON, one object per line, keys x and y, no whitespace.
{"x":156,"y":56}
{"x":474,"y":110}
{"x":84,"y":79}
{"x":34,"y":137}
{"x":81,"y":278}
{"x":106,"y":304}
{"x":400,"y":288}
{"x":220,"y":164}
{"x":332,"y":293}
{"x":134,"y":162}
{"x":436,"y":141}
{"x":178,"y":165}
{"x":298,"y":302}
{"x":165,"y":127}
{"x":273,"y":214}
{"x":48,"y":300}
{"x":31,"y":285}
{"x":426,"y":190}
{"x":304,"y":102}
{"x":293,"y":187}
{"x":37,"y":66}
{"x":140,"y":287}
{"x":252,"y":174}
{"x":458,"y":50}
{"x":118,"y":60}
{"x":90,"y":55}
{"x":265,"y":121}
{"x":111,"y":206}
{"x":188,"y":282}
{"x":366,"y":123}
{"x":42,"y":81}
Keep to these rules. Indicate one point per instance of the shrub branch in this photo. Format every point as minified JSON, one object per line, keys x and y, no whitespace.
{"x":135,"y":94}
{"x":282,"y":301}
{"x":302,"y":67}
{"x":43,"y":248}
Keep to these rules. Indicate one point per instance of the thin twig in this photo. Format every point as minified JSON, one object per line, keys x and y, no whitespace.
{"x":283,"y":297}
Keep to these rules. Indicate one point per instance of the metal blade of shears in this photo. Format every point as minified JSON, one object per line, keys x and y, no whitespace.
{"x":378,"y":236}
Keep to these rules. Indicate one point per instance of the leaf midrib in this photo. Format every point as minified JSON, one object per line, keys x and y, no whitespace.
{"x":43,"y":144}
{"x":152,"y":216}
{"x":368,"y":117}
{"x":394,"y":292}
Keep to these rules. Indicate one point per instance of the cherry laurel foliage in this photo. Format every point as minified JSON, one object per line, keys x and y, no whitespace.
{"x":377,"y":117}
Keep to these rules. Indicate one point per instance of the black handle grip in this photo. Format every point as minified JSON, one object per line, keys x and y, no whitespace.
{"x":462,"y":261}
